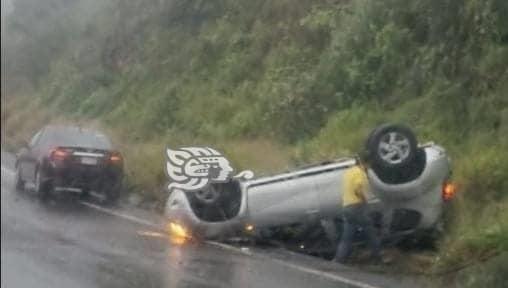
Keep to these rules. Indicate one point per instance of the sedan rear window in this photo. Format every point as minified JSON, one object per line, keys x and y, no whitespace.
{"x":76,"y":137}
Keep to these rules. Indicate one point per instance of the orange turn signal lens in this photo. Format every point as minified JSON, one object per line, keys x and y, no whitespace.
{"x":449,"y":191}
{"x":59,"y":154}
{"x":178,"y":230}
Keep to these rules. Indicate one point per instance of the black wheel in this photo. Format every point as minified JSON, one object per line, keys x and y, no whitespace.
{"x":369,"y":138}
{"x":391,"y":146}
{"x":403,"y":174}
{"x":111,"y":193}
{"x":42,"y":187}
{"x":19,"y":184}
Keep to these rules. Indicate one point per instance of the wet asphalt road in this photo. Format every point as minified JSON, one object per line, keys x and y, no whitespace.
{"x":67,"y":244}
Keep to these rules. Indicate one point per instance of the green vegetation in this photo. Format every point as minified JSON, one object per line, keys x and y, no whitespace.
{"x":292,"y":81}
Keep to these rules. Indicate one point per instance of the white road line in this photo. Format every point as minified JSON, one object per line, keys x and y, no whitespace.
{"x":137,"y":220}
{"x":7,"y":171}
{"x":308,"y":270}
{"x":247,"y":252}
{"x":325,"y":274}
{"x":230,"y":248}
{"x":102,"y":209}
{"x":121,"y":215}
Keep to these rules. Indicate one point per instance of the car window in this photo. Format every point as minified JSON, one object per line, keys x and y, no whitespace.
{"x":76,"y":137}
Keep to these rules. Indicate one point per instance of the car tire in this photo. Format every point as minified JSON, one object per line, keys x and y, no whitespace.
{"x":112,"y":194}
{"x":391,"y":146}
{"x":19,"y":184}
{"x":404,"y":174}
{"x":42,"y":188}
{"x":368,"y":143}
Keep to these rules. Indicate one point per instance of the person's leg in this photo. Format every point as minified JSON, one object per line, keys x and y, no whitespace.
{"x":374,"y":242}
{"x":344,"y":248}
{"x":371,"y":233}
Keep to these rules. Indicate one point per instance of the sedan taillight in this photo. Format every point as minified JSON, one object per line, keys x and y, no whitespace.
{"x":59,"y":154}
{"x":115,"y":157}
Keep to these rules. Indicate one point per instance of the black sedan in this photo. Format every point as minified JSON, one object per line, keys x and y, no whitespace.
{"x":70,"y":159}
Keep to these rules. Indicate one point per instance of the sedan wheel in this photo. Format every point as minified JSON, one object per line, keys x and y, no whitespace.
{"x":42,"y":189}
{"x":111,"y":194}
{"x":18,"y":182}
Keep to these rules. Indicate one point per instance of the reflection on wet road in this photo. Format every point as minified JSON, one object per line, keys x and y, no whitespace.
{"x":66,"y":244}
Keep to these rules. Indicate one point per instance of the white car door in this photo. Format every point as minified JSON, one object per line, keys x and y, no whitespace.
{"x":282,"y":200}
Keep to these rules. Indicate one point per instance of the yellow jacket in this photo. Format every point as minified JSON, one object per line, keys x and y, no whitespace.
{"x":356,"y":186}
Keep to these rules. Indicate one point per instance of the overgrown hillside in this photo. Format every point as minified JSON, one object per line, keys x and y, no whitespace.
{"x":274,"y":84}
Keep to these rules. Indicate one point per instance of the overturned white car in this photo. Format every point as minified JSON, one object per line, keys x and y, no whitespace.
{"x":409,"y":184}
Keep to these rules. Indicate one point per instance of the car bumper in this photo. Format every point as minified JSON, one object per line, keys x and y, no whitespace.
{"x":80,"y":177}
{"x":178,"y":210}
